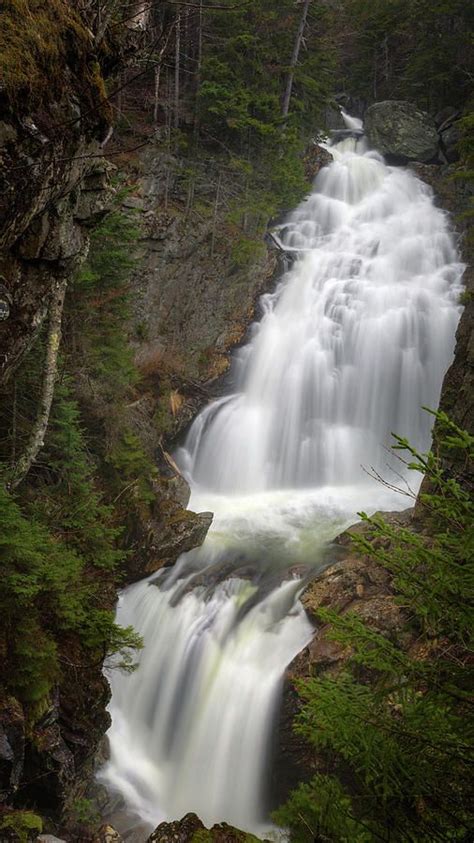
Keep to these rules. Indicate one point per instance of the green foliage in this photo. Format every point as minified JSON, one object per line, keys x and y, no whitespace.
{"x":46,"y":592}
{"x":99,"y":305}
{"x":407,"y":49}
{"x":245,"y":65}
{"x":245,"y":251}
{"x":59,"y":540}
{"x":37,"y":42}
{"x":23,"y":824}
{"x":67,"y":499}
{"x":391,"y":728}
{"x":131,"y":465}
{"x":318,"y":809}
{"x":84,"y":811}
{"x":99,"y":311}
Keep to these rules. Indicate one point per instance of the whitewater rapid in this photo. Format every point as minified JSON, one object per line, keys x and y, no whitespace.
{"x":353,"y":342}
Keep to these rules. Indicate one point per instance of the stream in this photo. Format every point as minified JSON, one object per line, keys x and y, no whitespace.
{"x":354,"y":340}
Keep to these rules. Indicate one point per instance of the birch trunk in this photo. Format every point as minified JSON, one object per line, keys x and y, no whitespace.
{"x":294,"y":60}
{"x":36,"y":440}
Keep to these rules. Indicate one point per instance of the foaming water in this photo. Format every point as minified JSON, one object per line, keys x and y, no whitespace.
{"x":354,"y":340}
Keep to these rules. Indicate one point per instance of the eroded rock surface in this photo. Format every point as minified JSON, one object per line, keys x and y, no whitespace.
{"x":401,"y":131}
{"x":352,"y":584}
{"x":190,"y":829}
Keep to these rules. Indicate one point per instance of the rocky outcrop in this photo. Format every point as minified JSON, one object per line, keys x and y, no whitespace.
{"x":315,"y":159}
{"x":12,"y":746}
{"x":47,"y":239}
{"x":190,"y":829}
{"x":52,"y":182}
{"x":352,"y":584}
{"x":401,"y":132}
{"x":171,"y":531}
{"x":454,"y":192}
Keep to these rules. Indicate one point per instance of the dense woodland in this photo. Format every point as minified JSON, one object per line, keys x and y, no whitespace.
{"x":247,"y":83}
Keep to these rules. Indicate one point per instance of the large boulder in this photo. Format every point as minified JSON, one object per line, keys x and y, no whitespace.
{"x":401,"y":132}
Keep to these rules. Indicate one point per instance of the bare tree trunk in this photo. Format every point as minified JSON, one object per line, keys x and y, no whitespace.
{"x":294,"y":60}
{"x":197,"y":75}
{"x":190,"y":196}
{"x":120,"y":95}
{"x":176,"y":69}
{"x":156,"y":101}
{"x":37,"y":435}
{"x":14,"y":421}
{"x":214,"y":220}
{"x":167,"y":185}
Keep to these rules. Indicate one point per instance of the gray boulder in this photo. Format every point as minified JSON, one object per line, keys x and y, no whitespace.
{"x":401,"y":132}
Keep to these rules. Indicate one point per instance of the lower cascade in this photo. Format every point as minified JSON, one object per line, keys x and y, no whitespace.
{"x":353,"y":342}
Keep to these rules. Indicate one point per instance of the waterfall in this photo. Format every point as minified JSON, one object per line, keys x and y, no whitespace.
{"x":354,"y":340}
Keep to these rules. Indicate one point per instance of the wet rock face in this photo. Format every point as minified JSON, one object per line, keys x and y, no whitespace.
{"x":193,"y":298}
{"x":353,"y":584}
{"x":174,"y":531}
{"x":315,"y":159}
{"x":44,"y":236}
{"x":12,"y":747}
{"x":454,"y":194}
{"x":190,"y":828}
{"x":401,"y":132}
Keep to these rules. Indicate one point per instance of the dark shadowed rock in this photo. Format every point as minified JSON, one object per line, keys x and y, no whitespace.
{"x":12,"y":746}
{"x":315,"y":159}
{"x":401,"y":132}
{"x":454,"y":193}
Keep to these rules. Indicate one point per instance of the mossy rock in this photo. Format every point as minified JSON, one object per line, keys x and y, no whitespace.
{"x":20,"y":826}
{"x":42,"y":46}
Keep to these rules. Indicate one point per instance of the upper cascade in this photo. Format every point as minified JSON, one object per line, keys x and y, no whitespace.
{"x":354,"y":341}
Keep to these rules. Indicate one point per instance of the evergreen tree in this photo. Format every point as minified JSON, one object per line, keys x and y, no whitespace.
{"x":393,"y":731}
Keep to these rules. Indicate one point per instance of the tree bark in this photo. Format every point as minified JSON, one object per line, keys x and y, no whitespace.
{"x":197,"y":75}
{"x":216,"y":211}
{"x":294,"y":60}
{"x":156,"y":101}
{"x":176,"y":69}
{"x":36,"y":440}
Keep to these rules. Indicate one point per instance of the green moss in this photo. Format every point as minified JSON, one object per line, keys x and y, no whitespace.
{"x":163,"y":417}
{"x":24,"y":824}
{"x":246,"y":251}
{"x":38,"y":42}
{"x":202,"y":835}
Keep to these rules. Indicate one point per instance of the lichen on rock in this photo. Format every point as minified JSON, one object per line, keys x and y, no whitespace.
{"x":401,"y":131}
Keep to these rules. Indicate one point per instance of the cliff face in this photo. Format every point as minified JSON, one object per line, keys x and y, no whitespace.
{"x":54,"y":185}
{"x":454,"y":193}
{"x":53,"y":117}
{"x":197,"y":284}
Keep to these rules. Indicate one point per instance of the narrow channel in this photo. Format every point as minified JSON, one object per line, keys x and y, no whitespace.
{"x":353,"y":342}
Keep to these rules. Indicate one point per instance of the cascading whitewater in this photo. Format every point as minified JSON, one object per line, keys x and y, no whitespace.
{"x":354,"y":340}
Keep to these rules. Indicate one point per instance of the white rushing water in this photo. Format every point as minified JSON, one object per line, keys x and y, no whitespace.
{"x":355,"y":339}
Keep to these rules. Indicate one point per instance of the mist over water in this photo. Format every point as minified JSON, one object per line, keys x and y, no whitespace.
{"x":356,"y":337}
